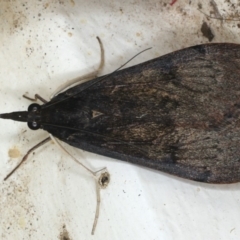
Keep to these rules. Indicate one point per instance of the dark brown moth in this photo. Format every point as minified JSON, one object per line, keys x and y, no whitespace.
{"x":179,"y":113}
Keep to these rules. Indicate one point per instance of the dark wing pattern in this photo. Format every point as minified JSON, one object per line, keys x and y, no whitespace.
{"x":179,"y":113}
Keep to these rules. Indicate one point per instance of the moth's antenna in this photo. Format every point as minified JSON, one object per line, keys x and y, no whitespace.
{"x":84,"y":78}
{"x":99,"y":80}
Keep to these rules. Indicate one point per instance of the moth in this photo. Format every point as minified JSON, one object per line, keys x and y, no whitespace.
{"x":179,"y":113}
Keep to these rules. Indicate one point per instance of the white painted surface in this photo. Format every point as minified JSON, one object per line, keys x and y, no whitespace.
{"x":44,"y":43}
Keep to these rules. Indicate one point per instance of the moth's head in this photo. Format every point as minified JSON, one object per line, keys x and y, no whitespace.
{"x":32,"y":116}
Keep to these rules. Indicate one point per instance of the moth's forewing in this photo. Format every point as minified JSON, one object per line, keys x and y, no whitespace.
{"x":178,"y":113}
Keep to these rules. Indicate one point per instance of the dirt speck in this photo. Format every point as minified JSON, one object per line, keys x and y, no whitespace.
{"x":15,"y":206}
{"x":70,"y":34}
{"x":64,"y":235}
{"x":22,"y":222}
{"x":46,"y":5}
{"x":14,"y":18}
{"x":83,"y":21}
{"x":207,"y":32}
{"x":72,"y":2}
{"x":14,"y":152}
{"x":15,"y":23}
{"x":138,"y":34}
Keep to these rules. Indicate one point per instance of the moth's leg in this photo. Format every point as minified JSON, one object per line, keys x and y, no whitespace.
{"x":75,"y":160}
{"x":97,"y":208}
{"x":104,"y":180}
{"x":101,"y":182}
{"x":26,"y":156}
{"x":83,"y":78}
{"x":36,"y":97}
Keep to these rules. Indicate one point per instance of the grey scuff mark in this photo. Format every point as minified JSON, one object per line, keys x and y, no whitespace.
{"x":216,"y":12}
